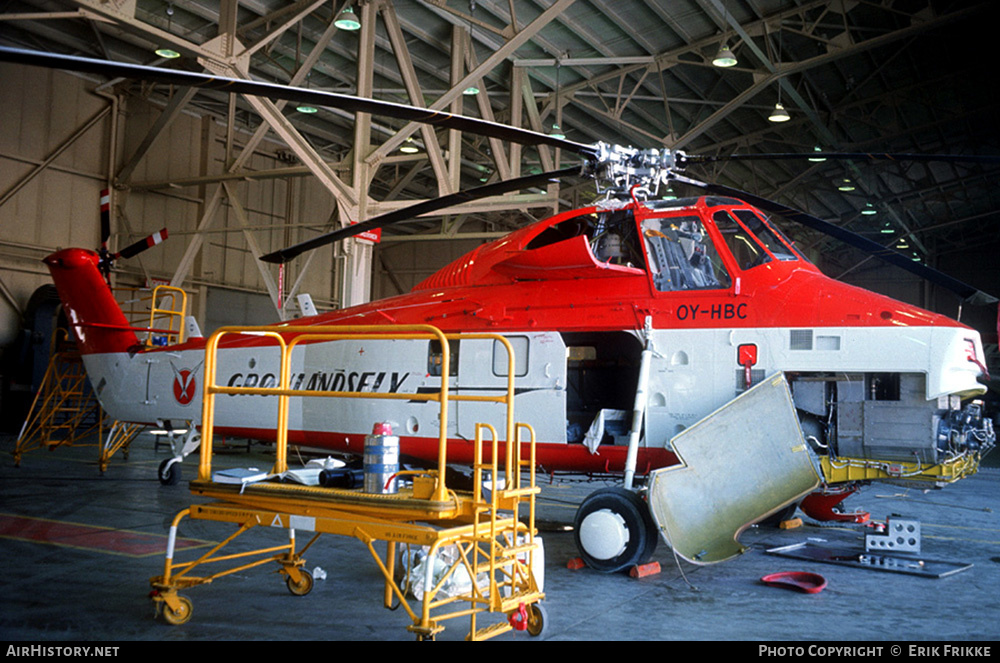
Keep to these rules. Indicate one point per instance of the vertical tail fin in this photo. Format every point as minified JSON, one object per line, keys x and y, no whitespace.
{"x":91,"y":309}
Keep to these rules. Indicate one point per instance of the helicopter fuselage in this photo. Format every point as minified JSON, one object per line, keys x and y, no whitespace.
{"x":714,"y":293}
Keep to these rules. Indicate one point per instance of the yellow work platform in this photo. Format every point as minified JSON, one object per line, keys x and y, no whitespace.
{"x":485,"y":546}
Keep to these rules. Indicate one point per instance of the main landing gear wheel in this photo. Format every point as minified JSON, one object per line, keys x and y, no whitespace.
{"x":169,"y":472}
{"x":180,"y":616}
{"x":303,"y":586}
{"x":614,"y":530}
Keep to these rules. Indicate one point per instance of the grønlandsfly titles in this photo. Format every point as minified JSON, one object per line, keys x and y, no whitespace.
{"x":876,"y":650}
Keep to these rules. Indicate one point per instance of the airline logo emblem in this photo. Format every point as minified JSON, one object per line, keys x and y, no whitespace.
{"x":185,"y":384}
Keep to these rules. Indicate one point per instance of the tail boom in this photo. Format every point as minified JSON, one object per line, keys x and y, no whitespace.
{"x":95,"y":317}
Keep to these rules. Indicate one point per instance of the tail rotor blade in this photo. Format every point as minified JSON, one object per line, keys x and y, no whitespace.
{"x":135,"y":249}
{"x":105,"y":216}
{"x":413,"y":211}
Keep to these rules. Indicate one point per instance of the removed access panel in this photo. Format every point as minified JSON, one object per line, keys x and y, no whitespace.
{"x":746,"y":460}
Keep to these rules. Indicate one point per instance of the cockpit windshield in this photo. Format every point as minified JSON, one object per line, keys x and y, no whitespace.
{"x":681,"y":255}
{"x":750,"y":240}
{"x":768,"y":237}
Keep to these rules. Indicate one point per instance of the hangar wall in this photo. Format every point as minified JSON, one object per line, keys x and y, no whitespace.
{"x":59,"y":205}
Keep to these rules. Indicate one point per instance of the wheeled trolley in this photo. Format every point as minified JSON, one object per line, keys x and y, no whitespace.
{"x":480,"y":547}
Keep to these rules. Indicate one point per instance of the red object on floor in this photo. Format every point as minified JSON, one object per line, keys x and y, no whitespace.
{"x":575,"y":564}
{"x":821,"y":506}
{"x":810,"y":583}
{"x":643,"y":570}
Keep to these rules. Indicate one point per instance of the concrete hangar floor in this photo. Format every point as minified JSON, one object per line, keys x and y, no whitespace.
{"x":79,"y":547}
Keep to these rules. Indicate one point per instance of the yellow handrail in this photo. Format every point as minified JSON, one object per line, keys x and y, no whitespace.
{"x":301,"y":334}
{"x":173,"y":314}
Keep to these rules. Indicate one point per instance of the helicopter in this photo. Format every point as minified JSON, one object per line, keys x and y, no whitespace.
{"x":646,"y":331}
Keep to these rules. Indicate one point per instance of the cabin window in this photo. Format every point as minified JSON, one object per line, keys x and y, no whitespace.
{"x":681,"y":255}
{"x":560,"y":232}
{"x":745,"y":248}
{"x":435,"y":357}
{"x":763,"y":232}
{"x":519,"y":344}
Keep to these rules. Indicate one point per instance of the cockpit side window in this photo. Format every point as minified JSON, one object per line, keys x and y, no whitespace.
{"x":746,"y":250}
{"x":614,"y":239}
{"x":681,"y":255}
{"x":767,"y":236}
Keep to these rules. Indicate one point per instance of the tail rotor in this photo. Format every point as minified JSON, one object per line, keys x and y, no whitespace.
{"x":107,"y":258}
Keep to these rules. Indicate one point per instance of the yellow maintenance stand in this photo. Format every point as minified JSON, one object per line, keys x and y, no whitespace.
{"x":492,"y":540}
{"x":65,"y":410}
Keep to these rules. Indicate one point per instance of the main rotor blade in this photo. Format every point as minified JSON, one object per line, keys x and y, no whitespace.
{"x":299,"y":95}
{"x":413,"y":211}
{"x":965,"y":291}
{"x":847,"y":156}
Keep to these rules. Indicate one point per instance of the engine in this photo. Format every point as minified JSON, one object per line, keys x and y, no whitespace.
{"x":884,"y":420}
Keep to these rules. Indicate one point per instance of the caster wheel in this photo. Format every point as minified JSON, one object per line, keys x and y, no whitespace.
{"x":180,"y":616}
{"x":614,"y":530}
{"x":169,"y":472}
{"x":538,"y":620}
{"x":303,"y":587}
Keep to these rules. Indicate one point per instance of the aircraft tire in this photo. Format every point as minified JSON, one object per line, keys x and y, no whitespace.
{"x":169,"y":473}
{"x":614,"y":530}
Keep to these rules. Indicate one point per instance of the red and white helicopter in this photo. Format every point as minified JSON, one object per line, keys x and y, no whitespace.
{"x":634,"y":322}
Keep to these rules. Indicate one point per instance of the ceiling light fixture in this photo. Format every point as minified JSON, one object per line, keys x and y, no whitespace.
{"x":869,"y":210}
{"x":409,"y":147}
{"x":163,"y":52}
{"x":779,"y":114}
{"x":304,"y":107}
{"x":817,"y":159}
{"x":845,"y":185}
{"x":473,"y":89}
{"x":556,"y":132}
{"x":725,"y":57}
{"x":347,"y":20}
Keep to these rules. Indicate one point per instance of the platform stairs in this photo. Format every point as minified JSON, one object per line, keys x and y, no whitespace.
{"x":66,"y":412}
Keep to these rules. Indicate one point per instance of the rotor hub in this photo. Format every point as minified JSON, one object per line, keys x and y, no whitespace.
{"x":629,"y":171}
